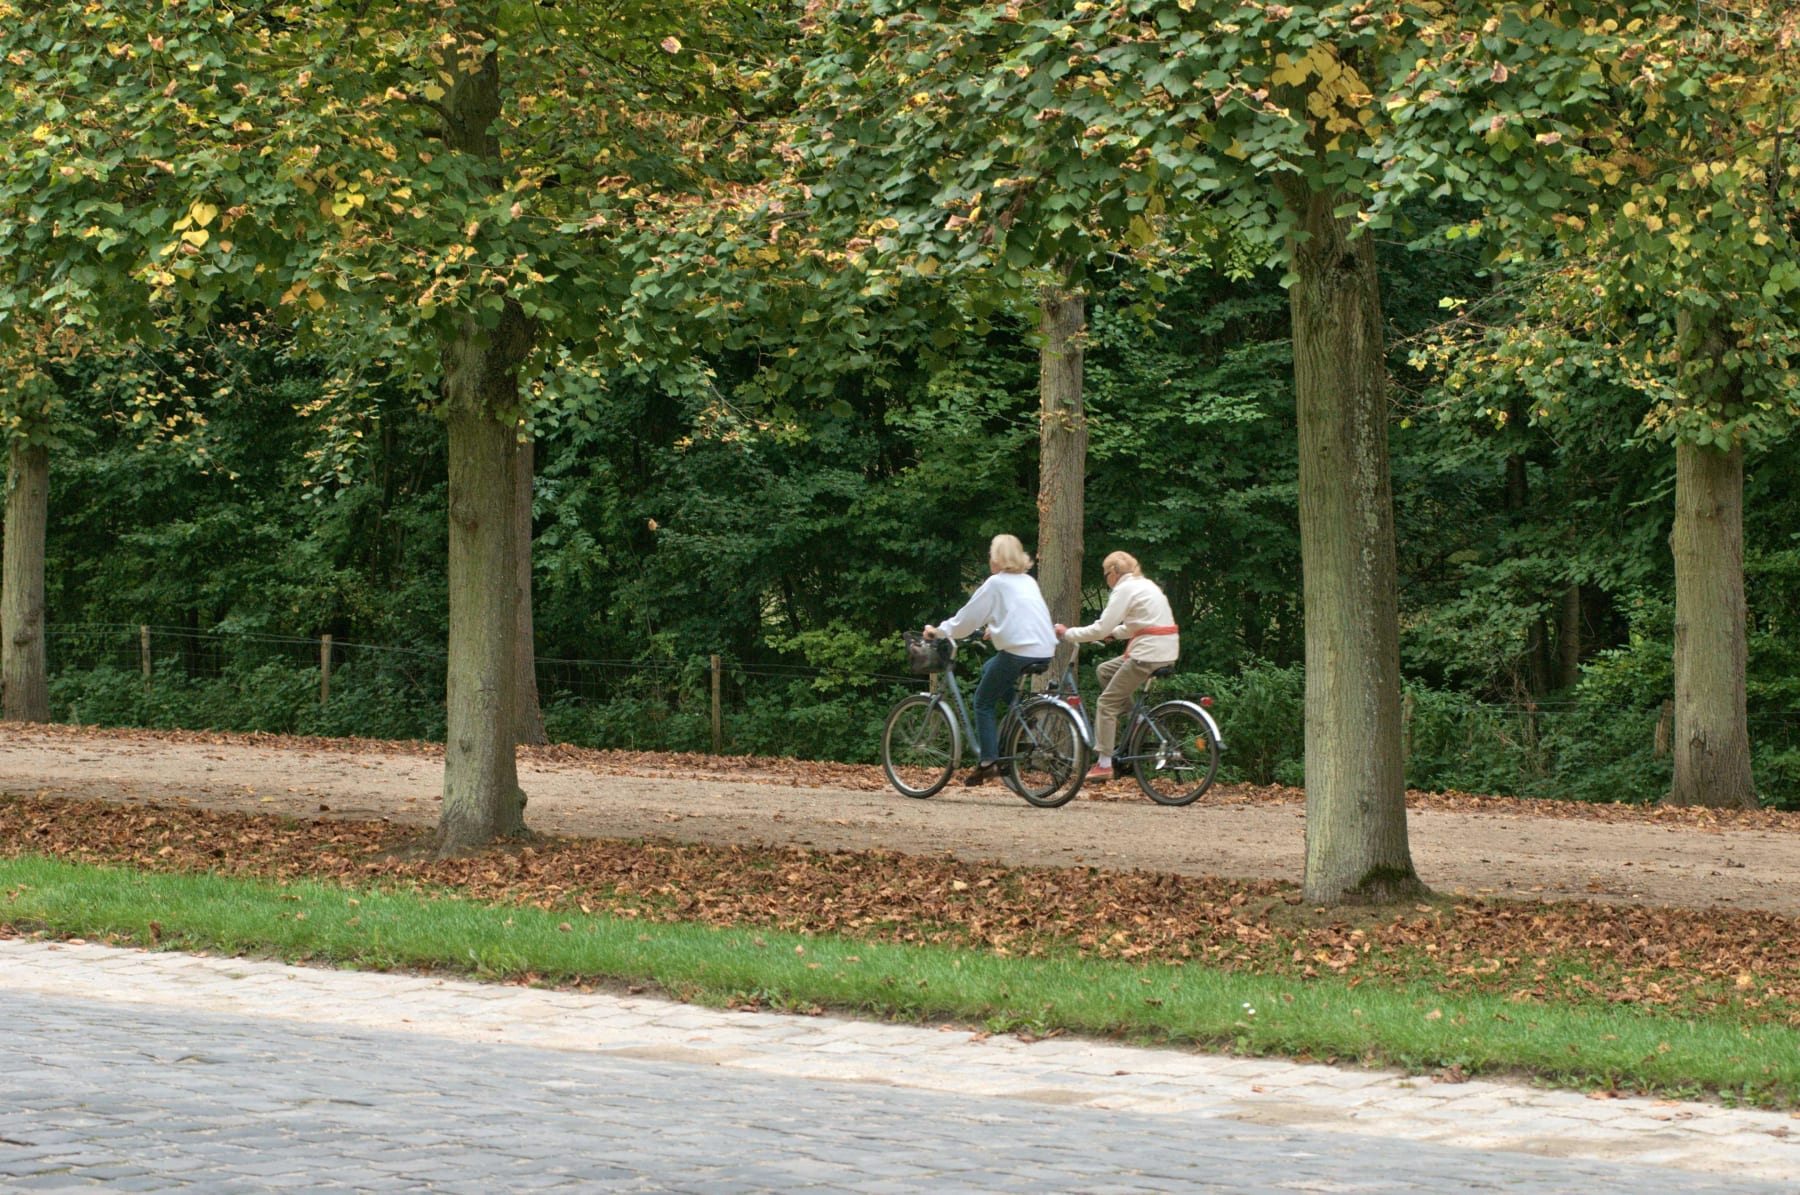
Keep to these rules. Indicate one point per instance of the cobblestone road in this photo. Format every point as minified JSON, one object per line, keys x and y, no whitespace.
{"x":153,"y":1072}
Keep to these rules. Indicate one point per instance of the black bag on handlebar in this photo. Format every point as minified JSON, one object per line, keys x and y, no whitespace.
{"x":926,"y":656}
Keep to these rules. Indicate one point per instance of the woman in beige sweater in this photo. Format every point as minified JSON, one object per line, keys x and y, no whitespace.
{"x":1138,"y":613}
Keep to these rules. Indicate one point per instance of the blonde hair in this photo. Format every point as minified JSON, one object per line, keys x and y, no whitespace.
{"x":1006,"y":554}
{"x":1122,"y":563}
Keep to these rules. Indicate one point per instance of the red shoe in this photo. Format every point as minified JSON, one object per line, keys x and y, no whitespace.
{"x":1099,"y":774}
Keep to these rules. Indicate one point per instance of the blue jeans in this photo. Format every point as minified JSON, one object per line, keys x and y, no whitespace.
{"x":999,"y":677}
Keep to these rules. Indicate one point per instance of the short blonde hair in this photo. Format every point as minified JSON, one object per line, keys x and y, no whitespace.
{"x":1007,"y":555}
{"x":1122,"y":563}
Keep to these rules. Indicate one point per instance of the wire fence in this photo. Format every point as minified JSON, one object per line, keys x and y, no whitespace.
{"x":124,"y":673}
{"x":163,"y":676}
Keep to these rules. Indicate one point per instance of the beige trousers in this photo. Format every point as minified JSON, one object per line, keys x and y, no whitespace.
{"x":1120,"y":677}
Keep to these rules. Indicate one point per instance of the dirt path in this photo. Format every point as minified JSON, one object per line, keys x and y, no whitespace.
{"x":1499,"y":848}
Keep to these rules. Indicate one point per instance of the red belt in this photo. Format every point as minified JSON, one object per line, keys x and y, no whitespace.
{"x":1150,"y":631}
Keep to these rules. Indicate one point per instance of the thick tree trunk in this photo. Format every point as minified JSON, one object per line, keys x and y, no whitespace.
{"x":530,"y":728}
{"x":482,"y":800}
{"x":1062,"y":459}
{"x":481,"y":785}
{"x":1356,"y":841}
{"x":22,"y":672}
{"x":1712,"y":737}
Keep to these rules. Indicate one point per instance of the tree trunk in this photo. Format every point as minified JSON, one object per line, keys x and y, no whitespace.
{"x":1062,"y":459}
{"x":1356,"y":840}
{"x":1537,"y":667}
{"x":481,"y":784}
{"x":1568,"y":638}
{"x":22,"y":672}
{"x":1712,"y":736}
{"x":482,"y":800}
{"x":530,"y":728}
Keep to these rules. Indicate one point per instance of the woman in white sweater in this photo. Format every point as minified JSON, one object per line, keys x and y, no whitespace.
{"x":1138,"y":613}
{"x":1011,"y":606}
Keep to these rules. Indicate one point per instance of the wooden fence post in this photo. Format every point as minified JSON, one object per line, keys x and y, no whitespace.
{"x":1409,"y":705}
{"x":1664,"y":735}
{"x":144,"y":652}
{"x":718,"y":715}
{"x":324,"y":669}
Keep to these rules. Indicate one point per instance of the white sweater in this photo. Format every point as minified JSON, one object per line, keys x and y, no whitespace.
{"x":1011,"y":607}
{"x":1136,"y":605}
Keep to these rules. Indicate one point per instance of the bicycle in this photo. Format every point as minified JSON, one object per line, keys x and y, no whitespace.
{"x":1170,"y":748}
{"x":1043,"y":742}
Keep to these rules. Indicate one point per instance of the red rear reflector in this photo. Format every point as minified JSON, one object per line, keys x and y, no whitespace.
{"x":1207,"y":702}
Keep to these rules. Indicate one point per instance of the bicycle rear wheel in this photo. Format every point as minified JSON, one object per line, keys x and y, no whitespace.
{"x":1174,"y":753}
{"x":1046,"y":757}
{"x":919,"y":746}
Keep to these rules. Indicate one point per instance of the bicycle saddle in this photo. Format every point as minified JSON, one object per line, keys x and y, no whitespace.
{"x":1165,"y":670}
{"x":1034,"y":669}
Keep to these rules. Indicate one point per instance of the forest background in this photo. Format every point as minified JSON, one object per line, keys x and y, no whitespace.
{"x":1535,"y":572}
{"x":242,"y":490}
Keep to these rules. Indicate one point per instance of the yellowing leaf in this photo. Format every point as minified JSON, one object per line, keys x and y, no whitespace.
{"x":202,"y":214}
{"x":1318,"y":61}
{"x":433,"y":92}
{"x":195,"y":237}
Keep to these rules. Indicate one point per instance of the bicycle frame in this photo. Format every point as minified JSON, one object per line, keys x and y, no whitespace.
{"x":965,"y":722}
{"x":959,"y":711}
{"x":1068,"y":692}
{"x":1043,"y":739}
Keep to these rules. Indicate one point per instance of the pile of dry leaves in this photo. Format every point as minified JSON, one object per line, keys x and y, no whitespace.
{"x":1668,"y":958}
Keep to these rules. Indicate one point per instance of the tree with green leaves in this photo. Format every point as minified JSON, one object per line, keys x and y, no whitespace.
{"x":464,"y":183}
{"x":67,"y":294}
{"x":933,"y":152}
{"x":1262,"y":120}
{"x":1638,"y":164}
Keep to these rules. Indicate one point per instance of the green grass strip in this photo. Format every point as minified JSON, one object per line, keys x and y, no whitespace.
{"x":1413,"y":1027}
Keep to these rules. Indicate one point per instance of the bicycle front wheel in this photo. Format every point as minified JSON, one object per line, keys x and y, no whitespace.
{"x":1174,"y":753}
{"x":919,"y":746}
{"x":1046,"y":757}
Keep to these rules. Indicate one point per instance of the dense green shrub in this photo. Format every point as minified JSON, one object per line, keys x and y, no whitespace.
{"x":273,"y":696}
{"x":1261,"y":714}
{"x":629,"y":723}
{"x":1598,"y":745}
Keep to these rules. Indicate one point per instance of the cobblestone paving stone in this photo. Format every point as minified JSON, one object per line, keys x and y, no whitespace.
{"x":138,"y":1071}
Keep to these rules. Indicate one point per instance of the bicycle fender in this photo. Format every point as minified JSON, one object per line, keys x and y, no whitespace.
{"x":1205,"y":716}
{"x":1087,"y":731}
